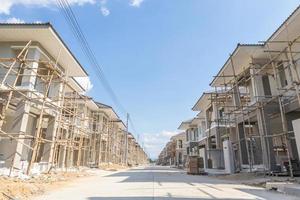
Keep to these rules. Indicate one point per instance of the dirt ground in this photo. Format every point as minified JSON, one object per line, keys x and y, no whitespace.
{"x":111,"y":167}
{"x":254,"y":179}
{"x":14,"y":188}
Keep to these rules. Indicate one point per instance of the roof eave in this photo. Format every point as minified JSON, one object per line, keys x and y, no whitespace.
{"x":213,"y":83}
{"x":53,"y":31}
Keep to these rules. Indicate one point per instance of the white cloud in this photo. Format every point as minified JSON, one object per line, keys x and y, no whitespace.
{"x":6,"y":5}
{"x":155,"y":142}
{"x":84,"y":82}
{"x":13,"y":20}
{"x":136,"y":3}
{"x":104,"y":10}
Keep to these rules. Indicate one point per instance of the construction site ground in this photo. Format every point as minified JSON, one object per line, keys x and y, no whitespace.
{"x":257,"y":179}
{"x":12,"y":188}
{"x":160,"y":183}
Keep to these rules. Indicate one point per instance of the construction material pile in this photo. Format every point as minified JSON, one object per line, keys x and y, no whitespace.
{"x":16,"y":188}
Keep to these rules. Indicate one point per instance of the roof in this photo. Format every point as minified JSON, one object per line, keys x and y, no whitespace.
{"x":288,"y":31}
{"x":288,"y":20}
{"x":206,"y":98}
{"x":91,"y":104}
{"x":189,"y":123}
{"x":73,"y":85}
{"x":111,"y":113}
{"x":201,"y":115}
{"x":47,"y":36}
{"x":78,"y":85}
{"x":197,"y":120}
{"x":185,"y":124}
{"x":130,"y":136}
{"x":108,"y":109}
{"x":182,"y":134}
{"x":236,"y":63}
{"x":202,"y":102}
{"x":102,"y":105}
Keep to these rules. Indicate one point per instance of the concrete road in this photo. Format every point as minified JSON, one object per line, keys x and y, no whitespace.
{"x":158,"y":183}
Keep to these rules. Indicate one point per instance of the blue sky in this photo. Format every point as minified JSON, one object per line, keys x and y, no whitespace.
{"x":158,"y":55}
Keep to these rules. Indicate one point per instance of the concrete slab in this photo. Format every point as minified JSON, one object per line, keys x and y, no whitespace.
{"x":160,"y":183}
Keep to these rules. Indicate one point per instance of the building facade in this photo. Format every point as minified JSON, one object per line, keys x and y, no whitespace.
{"x":45,"y":120}
{"x":250,"y":120}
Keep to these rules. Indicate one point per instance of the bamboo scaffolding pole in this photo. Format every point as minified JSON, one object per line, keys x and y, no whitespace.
{"x":64,"y":107}
{"x":39,"y":128}
{"x":282,"y":91}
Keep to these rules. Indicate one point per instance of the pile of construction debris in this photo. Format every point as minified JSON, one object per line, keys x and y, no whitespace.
{"x":24,"y":187}
{"x":255,"y":179}
{"x":112,"y":167}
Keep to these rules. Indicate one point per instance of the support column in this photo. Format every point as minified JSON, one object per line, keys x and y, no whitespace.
{"x":243,"y":149}
{"x":21,"y":121}
{"x":49,"y":146}
{"x":20,"y":126}
{"x":266,"y":142}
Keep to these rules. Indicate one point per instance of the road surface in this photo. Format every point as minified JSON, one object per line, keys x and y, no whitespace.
{"x":158,"y":183}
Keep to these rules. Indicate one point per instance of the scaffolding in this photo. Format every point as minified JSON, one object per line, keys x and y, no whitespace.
{"x":45,"y":121}
{"x":30,"y":86}
{"x":249,"y":112}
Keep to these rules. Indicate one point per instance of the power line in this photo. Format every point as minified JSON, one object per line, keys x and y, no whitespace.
{"x":85,"y":47}
{"x":133,"y":128}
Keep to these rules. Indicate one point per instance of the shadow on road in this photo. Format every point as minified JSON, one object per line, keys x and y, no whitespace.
{"x":150,"y":198}
{"x":161,"y":198}
{"x":164,"y":175}
{"x":208,"y":187}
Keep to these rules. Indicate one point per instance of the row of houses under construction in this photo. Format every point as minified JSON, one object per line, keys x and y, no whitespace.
{"x":250,"y":119}
{"x":46,"y":121}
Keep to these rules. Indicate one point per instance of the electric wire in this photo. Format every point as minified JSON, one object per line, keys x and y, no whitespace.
{"x":88,"y":52}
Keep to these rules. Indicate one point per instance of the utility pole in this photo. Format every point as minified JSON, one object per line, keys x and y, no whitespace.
{"x":126,"y":140}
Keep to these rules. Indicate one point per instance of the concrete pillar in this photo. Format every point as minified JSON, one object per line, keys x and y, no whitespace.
{"x":203,"y":154}
{"x":266,"y":142}
{"x":23,"y":109}
{"x":50,"y":135}
{"x":228,"y":157}
{"x":236,"y":96}
{"x":243,"y":148}
{"x":257,"y":85}
{"x":292,"y":118}
{"x":63,"y":151}
{"x":19,"y":125}
{"x":215,"y":114}
{"x":296,"y":127}
{"x":29,"y":78}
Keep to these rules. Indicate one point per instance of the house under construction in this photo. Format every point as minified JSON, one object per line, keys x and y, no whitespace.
{"x":45,"y":120}
{"x":250,"y":121}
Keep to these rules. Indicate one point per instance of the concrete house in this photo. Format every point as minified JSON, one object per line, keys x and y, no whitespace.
{"x":263,"y":82}
{"x":250,"y":120}
{"x":191,"y":132}
{"x":167,"y":155}
{"x":180,"y":152}
{"x":34,"y":63}
{"x":134,"y":151}
{"x":45,"y":120}
{"x":214,"y":127}
{"x":113,"y":133}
